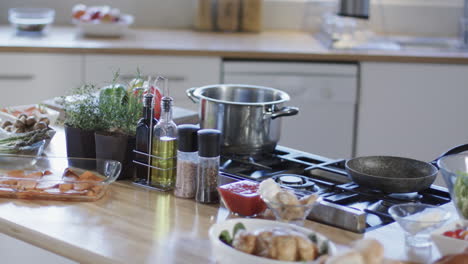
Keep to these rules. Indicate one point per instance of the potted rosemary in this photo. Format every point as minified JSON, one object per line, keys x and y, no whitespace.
{"x":81,"y":121}
{"x":119,"y":110}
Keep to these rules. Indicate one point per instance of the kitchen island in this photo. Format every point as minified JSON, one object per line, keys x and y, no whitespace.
{"x":136,"y":225}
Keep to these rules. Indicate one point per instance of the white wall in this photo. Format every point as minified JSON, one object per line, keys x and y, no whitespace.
{"x":420,"y":17}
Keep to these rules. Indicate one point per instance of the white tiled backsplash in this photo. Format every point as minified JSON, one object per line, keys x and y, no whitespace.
{"x":414,"y":17}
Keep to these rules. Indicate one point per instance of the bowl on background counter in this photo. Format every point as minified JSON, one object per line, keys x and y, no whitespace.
{"x":102,"y":29}
{"x":33,"y":20}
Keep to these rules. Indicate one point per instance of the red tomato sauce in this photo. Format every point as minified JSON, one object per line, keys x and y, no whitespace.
{"x":241,"y":198}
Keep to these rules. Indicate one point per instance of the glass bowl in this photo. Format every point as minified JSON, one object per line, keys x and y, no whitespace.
{"x":31,"y":19}
{"x":293,"y":214}
{"x":454,"y":169}
{"x":418,"y":221}
{"x":241,"y":198}
{"x":56,"y":178}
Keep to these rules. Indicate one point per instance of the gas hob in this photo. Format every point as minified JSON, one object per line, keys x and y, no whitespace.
{"x":343,"y":203}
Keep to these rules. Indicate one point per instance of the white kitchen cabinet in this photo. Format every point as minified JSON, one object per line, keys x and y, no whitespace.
{"x":325,"y":94}
{"x":182,"y":72}
{"x":14,"y":251}
{"x":27,"y":78}
{"x":412,"y":110}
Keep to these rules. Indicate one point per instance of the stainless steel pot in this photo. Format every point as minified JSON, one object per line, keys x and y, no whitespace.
{"x":246,"y":115}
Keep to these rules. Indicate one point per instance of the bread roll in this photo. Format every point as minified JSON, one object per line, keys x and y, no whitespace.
{"x":306,"y":250}
{"x":286,"y":247}
{"x":264,"y":247}
{"x":244,"y":241}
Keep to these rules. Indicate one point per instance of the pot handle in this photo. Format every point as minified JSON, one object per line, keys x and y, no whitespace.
{"x":190,"y":94}
{"x":454,"y":150}
{"x":285,"y":111}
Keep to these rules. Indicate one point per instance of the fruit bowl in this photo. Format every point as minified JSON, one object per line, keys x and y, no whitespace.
{"x":104,"y":29}
{"x":100,"y":21}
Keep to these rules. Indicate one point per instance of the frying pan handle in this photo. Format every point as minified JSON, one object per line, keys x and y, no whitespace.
{"x":454,"y":150}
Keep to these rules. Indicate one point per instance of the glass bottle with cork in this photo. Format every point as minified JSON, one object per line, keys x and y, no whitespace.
{"x":143,"y":134}
{"x":164,"y":144}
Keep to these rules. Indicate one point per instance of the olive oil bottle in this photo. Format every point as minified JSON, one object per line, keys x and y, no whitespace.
{"x":164,"y":146}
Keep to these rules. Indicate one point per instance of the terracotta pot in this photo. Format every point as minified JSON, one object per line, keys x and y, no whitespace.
{"x":80,"y":143}
{"x":117,"y":147}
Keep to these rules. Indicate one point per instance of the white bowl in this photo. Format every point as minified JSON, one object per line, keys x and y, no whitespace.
{"x":225,"y":254}
{"x":105,"y":29}
{"x":448,"y":245}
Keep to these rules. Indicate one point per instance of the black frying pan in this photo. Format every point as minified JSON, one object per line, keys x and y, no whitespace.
{"x":395,"y":174}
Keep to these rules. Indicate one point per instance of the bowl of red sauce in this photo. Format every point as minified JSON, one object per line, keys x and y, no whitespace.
{"x":242,"y":198}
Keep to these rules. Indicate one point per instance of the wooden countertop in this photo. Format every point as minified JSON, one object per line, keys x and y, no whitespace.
{"x":136,"y":225}
{"x":283,"y":45}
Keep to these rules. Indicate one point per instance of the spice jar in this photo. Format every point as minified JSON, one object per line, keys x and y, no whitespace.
{"x":208,"y":166}
{"x":187,"y":161}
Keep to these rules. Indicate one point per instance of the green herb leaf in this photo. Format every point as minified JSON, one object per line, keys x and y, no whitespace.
{"x":313,"y":237}
{"x":237,"y":227}
{"x":323,"y":248}
{"x":225,"y":237}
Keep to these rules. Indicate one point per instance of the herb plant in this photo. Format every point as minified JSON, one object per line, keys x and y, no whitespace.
{"x":119,"y":109}
{"x":112,"y":109}
{"x":81,"y":109}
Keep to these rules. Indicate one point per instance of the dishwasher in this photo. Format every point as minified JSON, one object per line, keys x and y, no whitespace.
{"x":326,"y":94}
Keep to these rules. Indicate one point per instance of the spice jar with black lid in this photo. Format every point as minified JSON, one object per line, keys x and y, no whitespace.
{"x":187,"y":161}
{"x":208,"y":166}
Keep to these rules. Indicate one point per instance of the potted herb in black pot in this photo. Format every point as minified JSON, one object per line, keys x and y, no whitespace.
{"x":119,"y":111}
{"x":81,"y":121}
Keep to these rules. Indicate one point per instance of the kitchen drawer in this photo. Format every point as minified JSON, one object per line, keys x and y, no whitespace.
{"x":319,"y":89}
{"x":16,"y":251}
{"x":287,"y":68}
{"x":183,"y":72}
{"x":27,"y":78}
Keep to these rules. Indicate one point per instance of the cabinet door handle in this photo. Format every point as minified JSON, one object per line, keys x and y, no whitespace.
{"x":16,"y":77}
{"x":129,"y":77}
